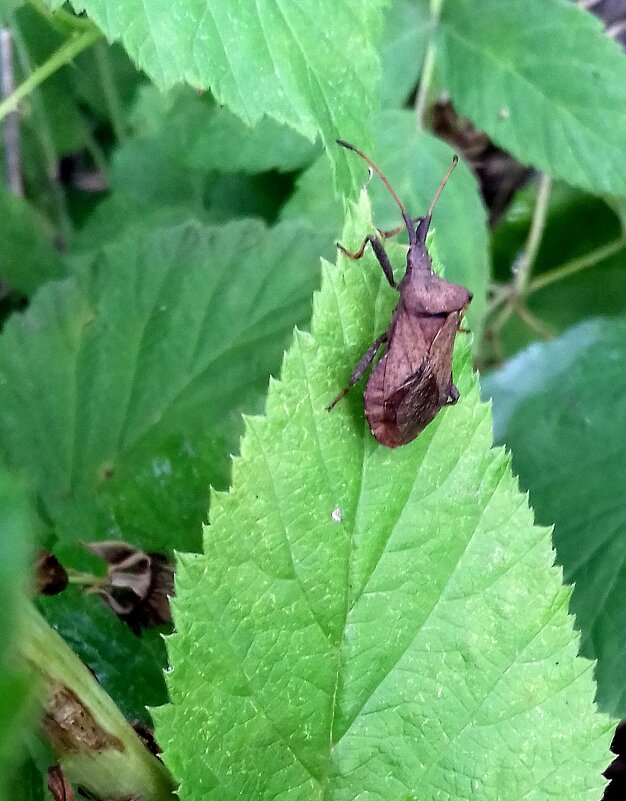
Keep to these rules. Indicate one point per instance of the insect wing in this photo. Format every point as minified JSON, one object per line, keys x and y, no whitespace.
{"x":397,"y":417}
{"x":440,"y":356}
{"x":416,"y":403}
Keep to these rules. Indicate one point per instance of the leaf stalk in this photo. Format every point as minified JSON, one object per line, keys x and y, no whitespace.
{"x":68,"y":50}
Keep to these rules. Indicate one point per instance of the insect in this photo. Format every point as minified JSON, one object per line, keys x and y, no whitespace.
{"x":412,"y":380}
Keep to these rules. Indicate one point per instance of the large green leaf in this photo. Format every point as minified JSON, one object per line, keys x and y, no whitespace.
{"x":310,"y":64}
{"x":120,"y":391}
{"x":367,"y":623}
{"x":560,"y":408}
{"x":543,"y":81}
{"x":414,"y":162}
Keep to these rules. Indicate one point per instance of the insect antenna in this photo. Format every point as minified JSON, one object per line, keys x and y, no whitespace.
{"x":424,"y":224}
{"x":405,"y":215}
{"x":455,"y":161}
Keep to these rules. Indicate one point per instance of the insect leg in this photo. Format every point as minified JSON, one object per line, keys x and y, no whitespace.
{"x":362,"y":365}
{"x":379,"y":252}
{"x":453,"y":395}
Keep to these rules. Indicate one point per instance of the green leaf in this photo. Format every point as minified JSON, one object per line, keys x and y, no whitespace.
{"x":311,"y":65}
{"x":29,"y":782}
{"x":128,"y":667}
{"x":191,"y":158}
{"x":200,"y":135}
{"x":402,"y":47}
{"x":414,"y":162}
{"x":123,"y":213}
{"x":105,"y":80}
{"x":7,"y":7}
{"x":15,"y":692}
{"x":373,"y":623}
{"x":28,"y":256}
{"x":313,"y":199}
{"x":543,"y":81}
{"x":121,"y":390}
{"x":559,"y":408}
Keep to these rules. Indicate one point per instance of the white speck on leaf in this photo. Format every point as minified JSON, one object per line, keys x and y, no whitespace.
{"x":161,"y":467}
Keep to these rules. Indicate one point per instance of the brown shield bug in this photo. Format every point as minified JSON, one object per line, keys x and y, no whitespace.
{"x":412,"y":380}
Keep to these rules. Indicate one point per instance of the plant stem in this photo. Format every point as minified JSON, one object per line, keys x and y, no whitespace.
{"x":428,"y":65}
{"x":82,"y":579}
{"x":576,"y":265}
{"x":534,"y":323}
{"x":43,"y":135}
{"x":68,"y":50}
{"x":103,"y":65}
{"x":500,"y":293}
{"x":501,"y":319}
{"x":97,"y":155}
{"x":97,"y":748}
{"x":527,"y":258}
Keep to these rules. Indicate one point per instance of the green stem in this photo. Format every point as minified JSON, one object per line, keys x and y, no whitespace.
{"x":97,"y":748}
{"x":103,"y":64}
{"x":97,"y":154}
{"x":534,"y":323}
{"x":43,"y":135}
{"x":500,"y":293}
{"x":576,"y":265}
{"x":82,"y":579}
{"x":428,"y":65}
{"x":501,"y":319}
{"x":68,"y":50}
{"x":538,"y":223}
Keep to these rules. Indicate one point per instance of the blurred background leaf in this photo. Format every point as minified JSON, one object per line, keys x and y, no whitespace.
{"x":558,"y":107}
{"x":402,"y":48}
{"x":150,"y":354}
{"x":28,"y":256}
{"x":560,"y":408}
{"x":121,"y":392}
